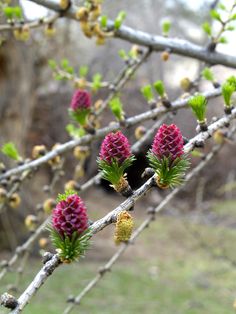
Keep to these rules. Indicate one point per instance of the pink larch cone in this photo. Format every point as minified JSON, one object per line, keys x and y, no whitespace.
{"x":80,"y":100}
{"x":168,"y":142}
{"x":70,"y":215}
{"x":115,"y":146}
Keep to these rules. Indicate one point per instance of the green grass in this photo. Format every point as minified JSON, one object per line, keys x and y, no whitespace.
{"x":167,"y":271}
{"x":226,"y":208}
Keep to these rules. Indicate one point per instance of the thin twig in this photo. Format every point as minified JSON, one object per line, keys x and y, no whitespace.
{"x":34,"y":24}
{"x":126,"y":205}
{"x":176,"y":105}
{"x":25,"y":247}
{"x":107,"y":267}
{"x":157,"y":43}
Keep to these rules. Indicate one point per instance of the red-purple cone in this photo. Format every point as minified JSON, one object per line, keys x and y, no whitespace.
{"x":80,"y":100}
{"x":168,"y":142}
{"x":115,"y":146}
{"x":69,"y":216}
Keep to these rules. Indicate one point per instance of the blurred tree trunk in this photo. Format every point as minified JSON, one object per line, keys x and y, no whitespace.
{"x":17,"y":85}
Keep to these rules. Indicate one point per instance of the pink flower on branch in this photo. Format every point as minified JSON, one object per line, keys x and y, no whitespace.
{"x":81,"y":100}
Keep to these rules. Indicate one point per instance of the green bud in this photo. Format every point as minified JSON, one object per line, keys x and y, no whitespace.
{"x":123,"y":54}
{"x":223,"y":40}
{"x":103,"y":21}
{"x":74,"y":131}
{"x":96,"y":83}
{"x":227,"y":92}
{"x":207,"y":28}
{"x":52,"y":63}
{"x":147,"y":92}
{"x":208,"y":74}
{"x":232,"y":81}
{"x":117,"y":108}
{"x":198,"y":104}
{"x":9,"y":12}
{"x":215,"y":15}
{"x":160,"y":88}
{"x":83,"y":71}
{"x":9,"y":149}
{"x":17,"y":12}
{"x":119,"y":20}
{"x":166,"y":25}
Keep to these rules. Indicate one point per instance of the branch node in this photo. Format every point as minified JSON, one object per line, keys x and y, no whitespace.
{"x":151,"y":211}
{"x":8,"y":301}
{"x":166,"y":103}
{"x":227,"y":124}
{"x":148,"y":173}
{"x":199,"y":144}
{"x":103,"y":270}
{"x":4,"y":264}
{"x":123,"y":123}
{"x":70,"y":299}
{"x":127,"y":191}
{"x":47,"y":256}
{"x":211,"y":47}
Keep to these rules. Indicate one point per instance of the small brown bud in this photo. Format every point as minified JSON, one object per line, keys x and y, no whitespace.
{"x":2,"y":167}
{"x":57,"y":159}
{"x":38,"y":151}
{"x":95,"y":12}
{"x":49,"y":30}
{"x":14,"y":200}
{"x":79,"y":172}
{"x":72,"y":185}
{"x":48,"y":205}
{"x":98,"y":104}
{"x":3,"y":195}
{"x":165,"y":56}
{"x":81,"y":152}
{"x":94,"y":121}
{"x":86,"y":29}
{"x":97,"y":30}
{"x":31,"y":222}
{"x":43,"y":242}
{"x":80,"y":83}
{"x":25,"y":33}
{"x":186,"y":84}
{"x":139,"y":132}
{"x":82,"y":14}
{"x":100,"y":40}
{"x":136,"y":50}
{"x":64,"y":4}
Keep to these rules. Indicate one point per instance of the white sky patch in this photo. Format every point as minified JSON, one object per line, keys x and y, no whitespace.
{"x":32,"y":10}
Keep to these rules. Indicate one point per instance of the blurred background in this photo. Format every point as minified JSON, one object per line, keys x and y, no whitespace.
{"x":183,"y":263}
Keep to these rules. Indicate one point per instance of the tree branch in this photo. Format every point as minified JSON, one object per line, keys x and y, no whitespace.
{"x":126,"y":205}
{"x":28,"y":243}
{"x":157,"y":43}
{"x":37,"y":282}
{"x":108,"y":266}
{"x":31,"y":24}
{"x":178,"y":104}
